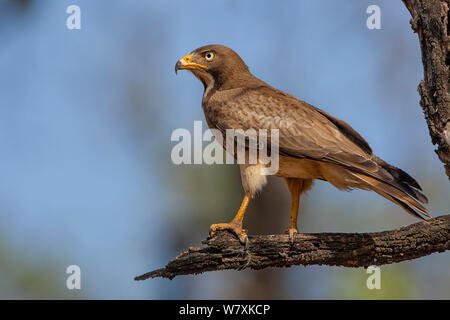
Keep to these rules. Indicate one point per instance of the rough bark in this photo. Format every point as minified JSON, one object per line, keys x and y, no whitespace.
{"x":431,"y":22}
{"x":224,"y":251}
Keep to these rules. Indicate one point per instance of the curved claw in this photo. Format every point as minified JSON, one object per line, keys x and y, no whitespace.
{"x":292,"y":234}
{"x":246,"y":242}
{"x":243,"y":238}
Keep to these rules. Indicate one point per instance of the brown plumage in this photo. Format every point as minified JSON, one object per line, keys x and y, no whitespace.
{"x":312,"y":143}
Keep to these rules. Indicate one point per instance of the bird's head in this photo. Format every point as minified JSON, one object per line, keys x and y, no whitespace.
{"x":214,"y":65}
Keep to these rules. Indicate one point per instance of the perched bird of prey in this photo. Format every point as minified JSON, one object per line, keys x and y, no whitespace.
{"x":312,"y":143}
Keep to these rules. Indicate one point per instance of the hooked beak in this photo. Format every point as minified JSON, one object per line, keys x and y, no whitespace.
{"x":186,"y":64}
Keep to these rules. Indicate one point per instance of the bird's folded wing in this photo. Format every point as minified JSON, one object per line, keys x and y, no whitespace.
{"x":304,"y":130}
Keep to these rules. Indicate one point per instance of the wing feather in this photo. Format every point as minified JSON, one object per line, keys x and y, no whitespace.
{"x":305,"y":131}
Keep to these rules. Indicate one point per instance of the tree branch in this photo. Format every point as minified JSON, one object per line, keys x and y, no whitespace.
{"x":431,"y":22}
{"x":224,"y":251}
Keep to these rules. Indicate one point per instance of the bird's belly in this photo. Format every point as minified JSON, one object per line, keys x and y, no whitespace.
{"x":338,"y":176}
{"x":299,"y":168}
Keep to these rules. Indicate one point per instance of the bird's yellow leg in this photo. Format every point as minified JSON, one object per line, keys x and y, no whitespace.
{"x":235,"y":225}
{"x":292,"y":228}
{"x":295,"y":188}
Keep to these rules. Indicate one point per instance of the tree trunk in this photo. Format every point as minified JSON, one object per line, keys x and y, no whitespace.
{"x":430,"y":21}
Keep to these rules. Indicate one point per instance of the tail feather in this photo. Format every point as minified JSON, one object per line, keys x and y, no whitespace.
{"x":401,"y":197}
{"x":404,"y":180}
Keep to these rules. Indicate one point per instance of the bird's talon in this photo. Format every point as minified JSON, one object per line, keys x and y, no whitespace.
{"x":233,"y":227}
{"x":292,"y":234}
{"x":246,"y":242}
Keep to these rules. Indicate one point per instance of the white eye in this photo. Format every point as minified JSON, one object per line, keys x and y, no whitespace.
{"x":209,"y":56}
